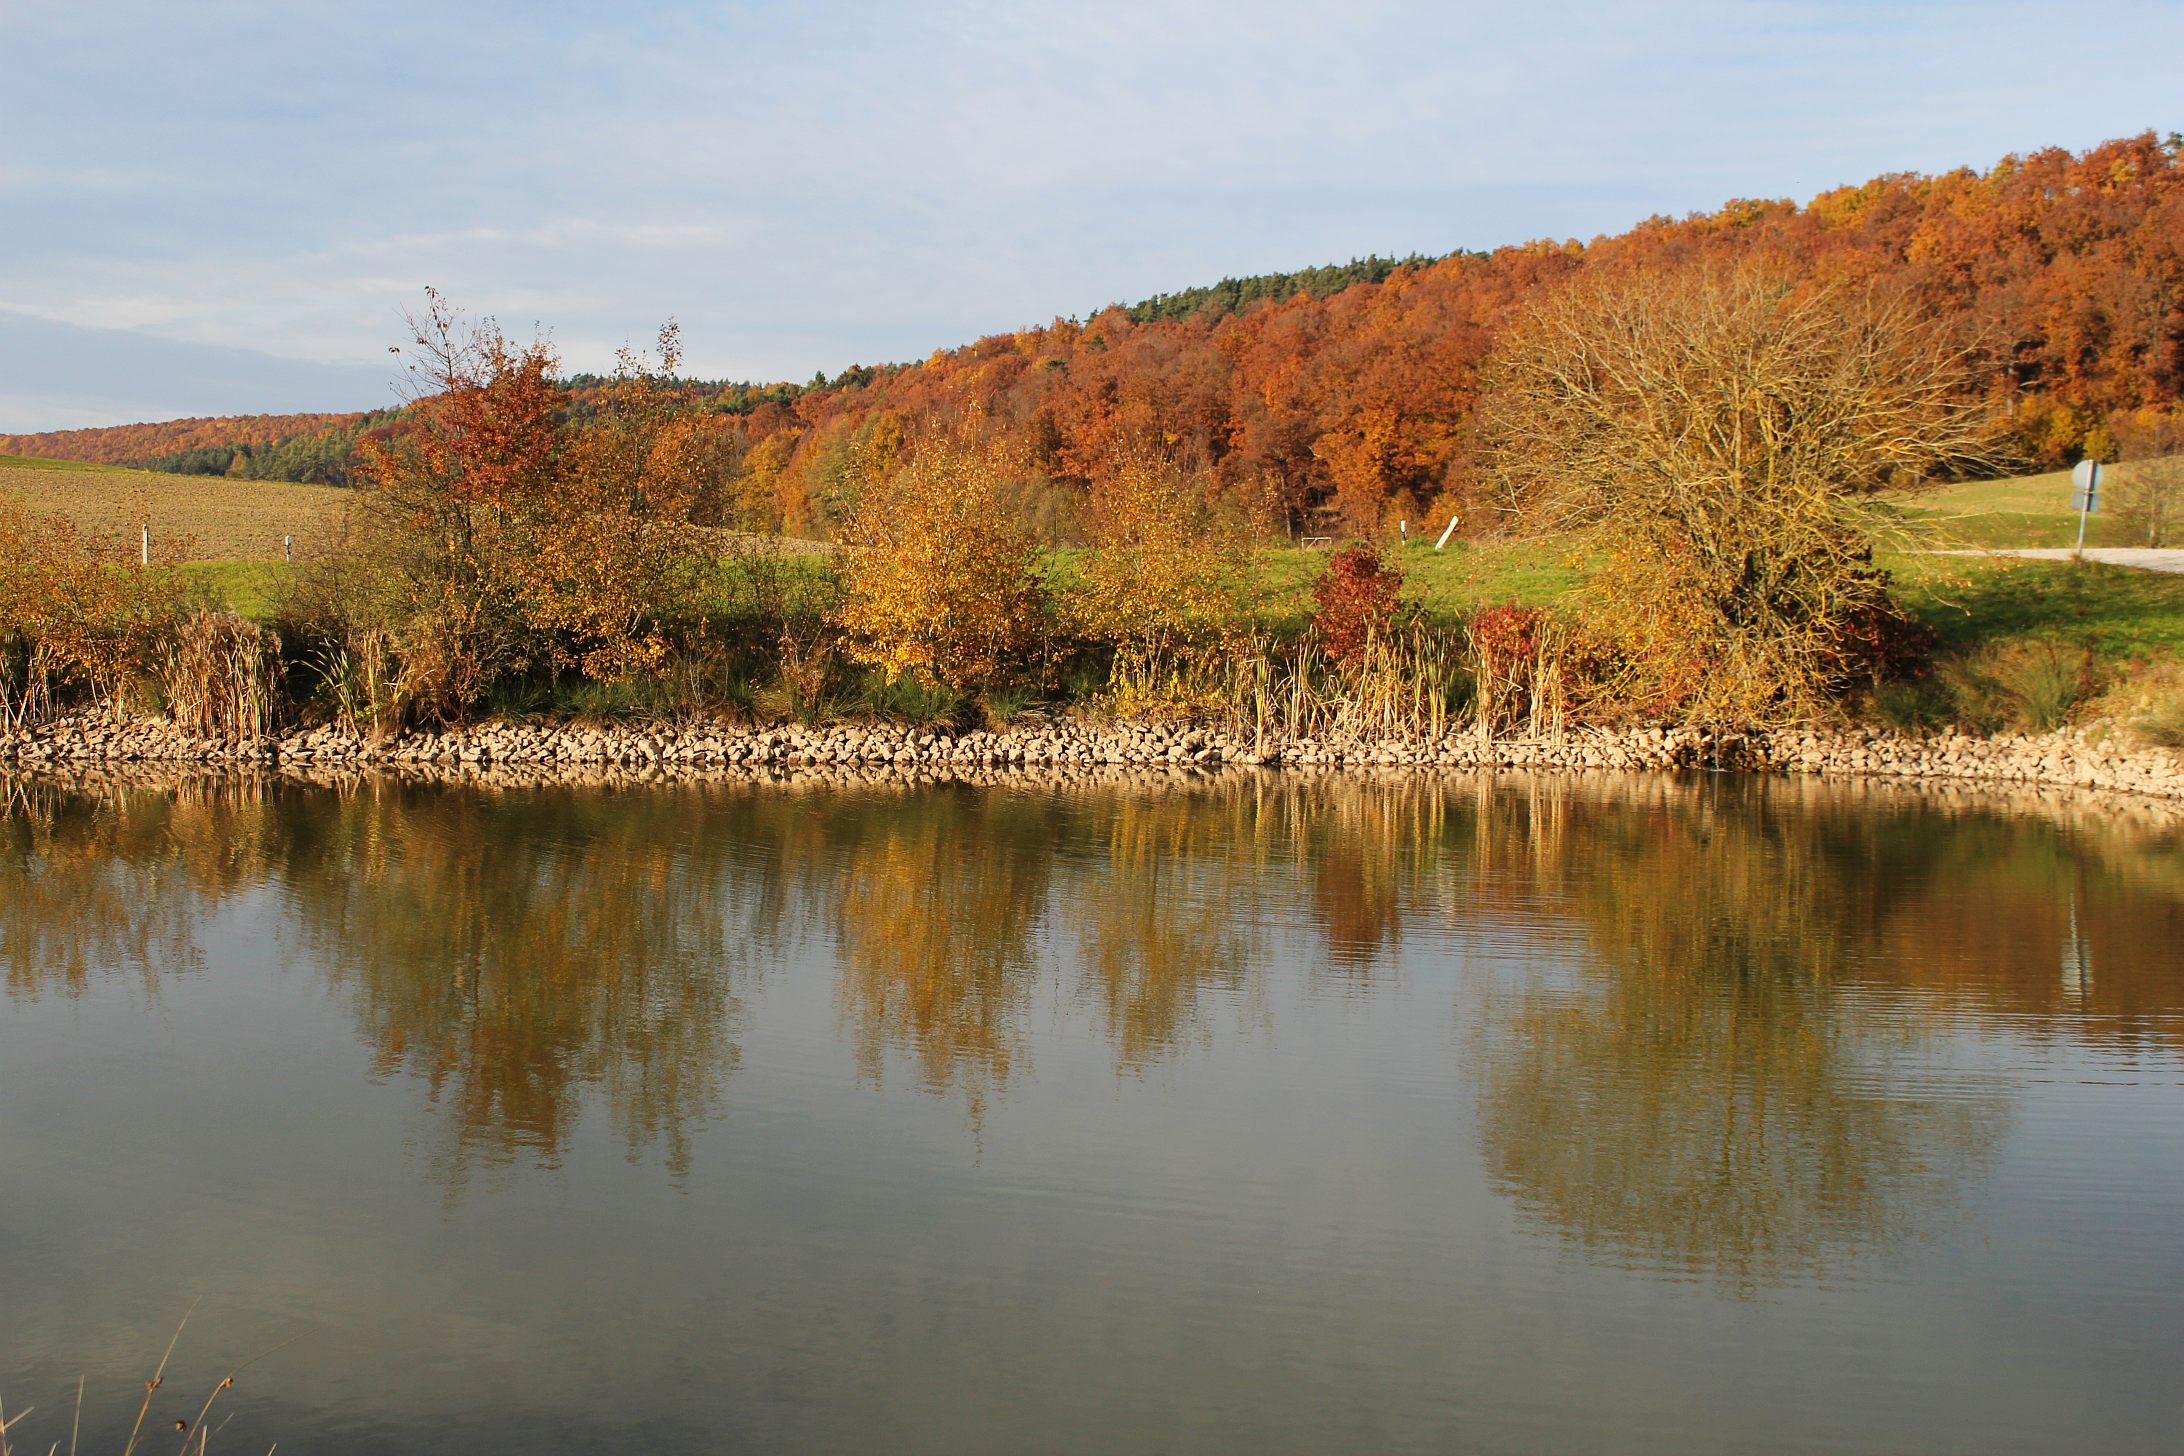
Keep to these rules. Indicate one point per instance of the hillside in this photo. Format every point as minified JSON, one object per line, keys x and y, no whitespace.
{"x":222,"y":520}
{"x":1345,"y":391}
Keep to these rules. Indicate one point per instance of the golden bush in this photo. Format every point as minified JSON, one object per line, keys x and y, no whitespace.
{"x":937,"y":578}
{"x":1160,"y":573}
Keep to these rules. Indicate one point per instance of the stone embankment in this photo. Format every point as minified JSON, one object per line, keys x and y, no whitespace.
{"x":1071,"y":745}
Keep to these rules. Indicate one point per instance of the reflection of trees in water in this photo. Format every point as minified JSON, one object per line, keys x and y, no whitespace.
{"x":1711,"y":1093}
{"x":1366,"y":846}
{"x":1166,"y":915}
{"x":1709,"y":1097}
{"x":115,"y":880}
{"x":516,"y":950}
{"x":935,"y":904}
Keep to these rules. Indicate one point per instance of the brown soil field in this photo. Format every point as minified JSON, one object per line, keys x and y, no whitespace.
{"x":226,"y":520}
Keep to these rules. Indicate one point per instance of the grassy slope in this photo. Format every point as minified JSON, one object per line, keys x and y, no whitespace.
{"x":227,"y":520}
{"x":2026,"y":510}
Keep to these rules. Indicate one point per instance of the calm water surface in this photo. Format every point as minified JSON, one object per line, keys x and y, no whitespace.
{"x":1510,"y":1115}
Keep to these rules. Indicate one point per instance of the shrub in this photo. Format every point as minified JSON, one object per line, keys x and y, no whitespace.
{"x":79,"y":612}
{"x":1881,"y":643}
{"x":1722,"y":437}
{"x":1158,"y":575}
{"x":2028,"y":686}
{"x":2146,"y":492}
{"x":936,"y":577}
{"x":1353,"y":601}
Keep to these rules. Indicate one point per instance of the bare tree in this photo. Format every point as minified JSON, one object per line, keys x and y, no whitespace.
{"x":1724,"y":438}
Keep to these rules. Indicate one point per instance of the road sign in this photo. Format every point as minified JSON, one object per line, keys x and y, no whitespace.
{"x":2085,"y":494}
{"x":2085,"y":486}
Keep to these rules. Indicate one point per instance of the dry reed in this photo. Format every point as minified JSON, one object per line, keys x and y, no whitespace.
{"x":220,"y":676}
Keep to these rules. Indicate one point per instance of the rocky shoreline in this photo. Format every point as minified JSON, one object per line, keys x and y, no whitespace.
{"x":546,"y":751}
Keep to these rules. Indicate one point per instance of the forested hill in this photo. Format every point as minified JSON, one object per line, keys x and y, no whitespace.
{"x":1233,"y":295}
{"x":1348,"y":388}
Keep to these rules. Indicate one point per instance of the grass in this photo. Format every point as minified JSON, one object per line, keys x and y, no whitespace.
{"x":228,"y":520}
{"x":2023,"y":511}
{"x":2121,"y":613}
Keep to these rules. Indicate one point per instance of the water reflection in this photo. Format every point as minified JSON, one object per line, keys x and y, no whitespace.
{"x":1693,"y":1015}
{"x":935,"y":903}
{"x":1714,"y":1094}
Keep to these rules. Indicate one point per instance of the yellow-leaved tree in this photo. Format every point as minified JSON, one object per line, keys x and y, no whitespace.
{"x":937,"y":576}
{"x":1162,"y":575}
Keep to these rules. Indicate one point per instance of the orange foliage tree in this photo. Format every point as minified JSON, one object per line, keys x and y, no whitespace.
{"x":505,"y":532}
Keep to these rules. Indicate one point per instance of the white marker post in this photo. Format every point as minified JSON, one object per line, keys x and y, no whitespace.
{"x":288,"y":548}
{"x":1448,"y":532}
{"x":144,"y":548}
{"x":2085,"y":496}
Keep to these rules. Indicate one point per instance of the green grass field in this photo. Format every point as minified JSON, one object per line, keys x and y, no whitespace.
{"x":2022,"y":511}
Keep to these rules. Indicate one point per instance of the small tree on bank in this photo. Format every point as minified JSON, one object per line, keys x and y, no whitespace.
{"x":2148,"y":493}
{"x":499,"y":531}
{"x":1721,"y":440}
{"x":1161,"y":574}
{"x":937,"y":577}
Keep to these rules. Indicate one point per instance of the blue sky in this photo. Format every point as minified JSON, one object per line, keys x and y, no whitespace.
{"x":806,"y":186}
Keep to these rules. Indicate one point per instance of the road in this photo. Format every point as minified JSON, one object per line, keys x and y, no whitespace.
{"x":2170,"y":559}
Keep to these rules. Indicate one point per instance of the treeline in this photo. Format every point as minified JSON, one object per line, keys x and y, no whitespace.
{"x":139,"y":445}
{"x":1344,"y":396}
{"x":1233,"y":295}
{"x":321,"y":458}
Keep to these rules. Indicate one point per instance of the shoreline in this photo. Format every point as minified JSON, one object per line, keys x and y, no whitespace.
{"x":550,"y":752}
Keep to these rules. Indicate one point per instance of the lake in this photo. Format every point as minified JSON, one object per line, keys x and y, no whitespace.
{"x":1251,"y":1113}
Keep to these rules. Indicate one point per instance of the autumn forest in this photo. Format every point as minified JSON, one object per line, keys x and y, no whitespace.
{"x":1339,"y":398}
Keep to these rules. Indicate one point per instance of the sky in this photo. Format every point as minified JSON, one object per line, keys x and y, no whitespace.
{"x":226,"y":207}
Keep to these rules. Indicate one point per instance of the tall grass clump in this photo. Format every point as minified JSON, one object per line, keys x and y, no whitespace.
{"x":2027,"y":686}
{"x":220,"y":676}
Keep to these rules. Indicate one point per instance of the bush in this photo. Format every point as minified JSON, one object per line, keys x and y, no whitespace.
{"x":937,"y":578}
{"x":1159,"y":575}
{"x":79,"y":613}
{"x":1722,"y":438}
{"x":1880,"y":643}
{"x":1354,"y":600}
{"x":2027,"y":686}
{"x":2146,"y":492}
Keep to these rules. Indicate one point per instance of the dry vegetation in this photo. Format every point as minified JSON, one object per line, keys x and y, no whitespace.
{"x":228,"y":520}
